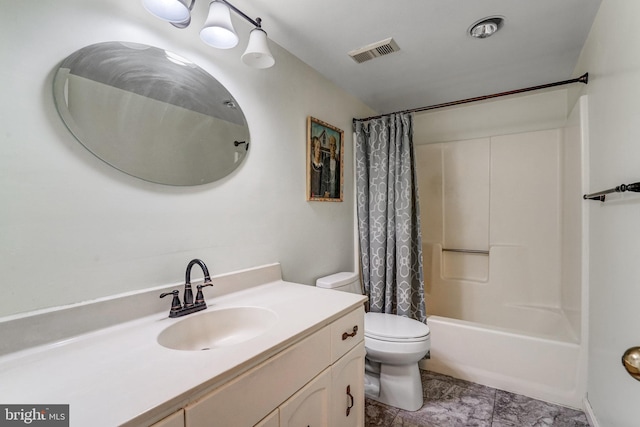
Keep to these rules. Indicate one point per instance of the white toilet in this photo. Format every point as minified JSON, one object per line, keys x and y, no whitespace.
{"x":394,"y":345}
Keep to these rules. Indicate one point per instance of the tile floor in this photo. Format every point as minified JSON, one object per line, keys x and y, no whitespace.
{"x":450,"y":402}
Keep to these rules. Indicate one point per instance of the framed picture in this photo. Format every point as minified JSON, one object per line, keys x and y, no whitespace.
{"x":325,"y":161}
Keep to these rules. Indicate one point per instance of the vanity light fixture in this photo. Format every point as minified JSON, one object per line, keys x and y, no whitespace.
{"x":486,"y":27}
{"x":217,"y":30}
{"x":176,"y":12}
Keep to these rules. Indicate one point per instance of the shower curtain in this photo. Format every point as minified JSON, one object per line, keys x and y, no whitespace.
{"x":389,"y":216}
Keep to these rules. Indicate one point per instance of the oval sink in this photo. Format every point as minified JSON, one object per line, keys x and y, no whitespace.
{"x":220,"y":328}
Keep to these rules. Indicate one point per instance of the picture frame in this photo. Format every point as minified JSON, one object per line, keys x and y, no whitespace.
{"x":325,"y":162}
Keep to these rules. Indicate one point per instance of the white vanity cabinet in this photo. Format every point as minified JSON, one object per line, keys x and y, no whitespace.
{"x":271,"y":420}
{"x":303,"y":385}
{"x":298,"y":367}
{"x":174,"y":420}
{"x":310,"y":406}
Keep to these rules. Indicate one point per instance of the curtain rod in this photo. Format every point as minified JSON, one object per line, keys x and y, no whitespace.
{"x":582,"y":79}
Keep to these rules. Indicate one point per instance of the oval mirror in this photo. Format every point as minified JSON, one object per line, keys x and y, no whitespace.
{"x":151,"y":113}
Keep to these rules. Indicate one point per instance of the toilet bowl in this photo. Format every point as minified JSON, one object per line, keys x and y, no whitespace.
{"x":393,"y":345}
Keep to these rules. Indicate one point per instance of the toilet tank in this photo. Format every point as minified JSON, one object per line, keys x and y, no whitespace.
{"x":345,"y":282}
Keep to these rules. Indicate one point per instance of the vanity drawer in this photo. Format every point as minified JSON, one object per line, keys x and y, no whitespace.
{"x":247,"y":399}
{"x":346,"y":333}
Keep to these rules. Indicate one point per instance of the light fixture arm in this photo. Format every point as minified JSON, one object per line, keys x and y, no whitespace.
{"x":256,"y":23}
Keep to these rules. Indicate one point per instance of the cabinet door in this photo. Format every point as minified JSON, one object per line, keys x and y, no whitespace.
{"x":310,"y":405}
{"x":247,"y":399}
{"x":347,"y":389}
{"x":271,"y":420}
{"x":174,"y":420}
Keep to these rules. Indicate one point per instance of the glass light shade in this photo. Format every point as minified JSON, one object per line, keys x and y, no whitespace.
{"x":258,"y":54}
{"x":486,"y":27}
{"x":174,"y":11}
{"x":218,"y":30}
{"x":484,"y":30}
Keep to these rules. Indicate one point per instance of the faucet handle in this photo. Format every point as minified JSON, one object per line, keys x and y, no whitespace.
{"x":200,"y":295}
{"x":175,"y":303}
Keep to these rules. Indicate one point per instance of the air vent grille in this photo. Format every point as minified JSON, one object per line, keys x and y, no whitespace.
{"x":374,"y":50}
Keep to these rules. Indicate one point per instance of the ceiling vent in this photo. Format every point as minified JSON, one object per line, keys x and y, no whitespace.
{"x":374,"y":50}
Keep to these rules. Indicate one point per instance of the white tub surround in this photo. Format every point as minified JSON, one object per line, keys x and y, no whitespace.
{"x":505,"y":261}
{"x":120,"y":375}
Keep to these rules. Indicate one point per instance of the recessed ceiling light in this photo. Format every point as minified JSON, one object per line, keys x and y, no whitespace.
{"x":486,"y":27}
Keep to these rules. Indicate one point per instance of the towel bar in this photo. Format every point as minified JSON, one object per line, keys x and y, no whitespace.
{"x":600,"y":195}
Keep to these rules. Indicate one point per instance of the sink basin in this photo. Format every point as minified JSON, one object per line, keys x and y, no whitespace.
{"x":219,"y":328}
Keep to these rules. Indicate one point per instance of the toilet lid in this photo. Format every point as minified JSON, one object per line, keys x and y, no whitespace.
{"x":390,"y":327}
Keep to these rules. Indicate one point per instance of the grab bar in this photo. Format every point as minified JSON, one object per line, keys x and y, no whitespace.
{"x":466,"y":251}
{"x":600,"y":195}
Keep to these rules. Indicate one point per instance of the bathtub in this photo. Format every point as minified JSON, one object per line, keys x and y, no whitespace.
{"x":483,"y":330}
{"x":543,"y":362}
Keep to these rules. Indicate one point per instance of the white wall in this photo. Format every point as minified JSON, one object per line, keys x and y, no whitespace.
{"x":73,"y":229}
{"x":611,"y":55}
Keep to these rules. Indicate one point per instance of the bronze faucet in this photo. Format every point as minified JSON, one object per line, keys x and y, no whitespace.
{"x":189,"y":306}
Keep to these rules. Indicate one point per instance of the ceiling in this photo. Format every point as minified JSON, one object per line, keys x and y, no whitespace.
{"x":438,"y":61}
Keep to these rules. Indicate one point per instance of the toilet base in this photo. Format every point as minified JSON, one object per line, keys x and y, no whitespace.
{"x":400,"y":386}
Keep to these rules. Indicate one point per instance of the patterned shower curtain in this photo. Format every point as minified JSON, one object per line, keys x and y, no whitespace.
{"x":389,"y":216}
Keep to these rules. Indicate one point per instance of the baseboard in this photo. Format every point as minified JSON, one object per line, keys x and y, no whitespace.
{"x":588,"y":411}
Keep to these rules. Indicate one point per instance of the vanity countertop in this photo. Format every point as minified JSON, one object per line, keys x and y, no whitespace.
{"x":120,"y":375}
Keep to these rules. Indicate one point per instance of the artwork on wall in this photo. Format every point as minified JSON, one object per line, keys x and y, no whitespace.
{"x":325,"y":159}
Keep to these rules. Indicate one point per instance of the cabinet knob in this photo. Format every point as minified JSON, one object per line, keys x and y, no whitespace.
{"x":352,"y":334}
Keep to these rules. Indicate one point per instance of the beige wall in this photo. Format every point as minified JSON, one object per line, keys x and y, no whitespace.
{"x":74,"y":229}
